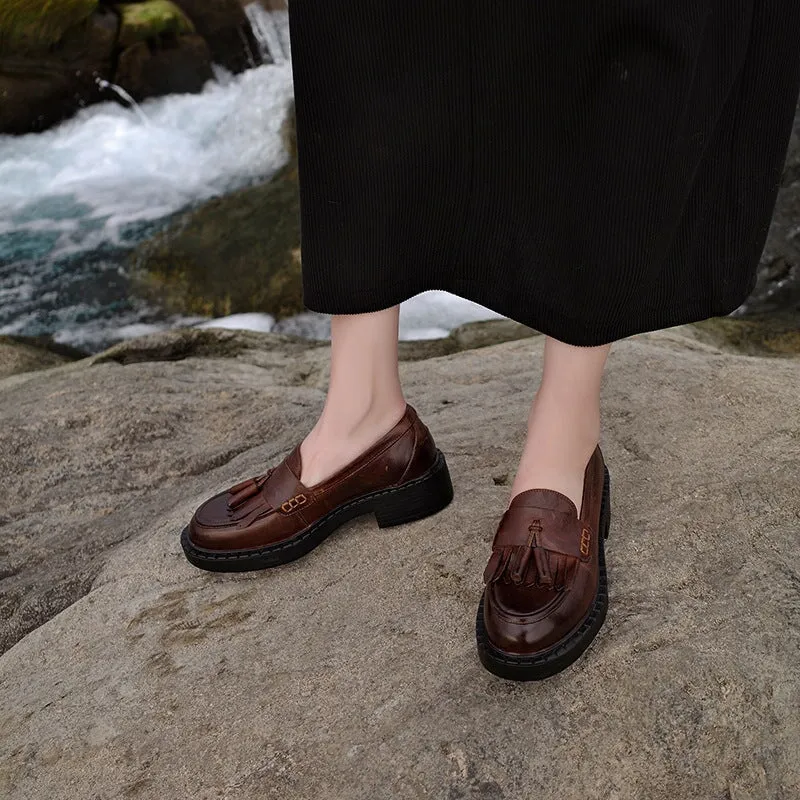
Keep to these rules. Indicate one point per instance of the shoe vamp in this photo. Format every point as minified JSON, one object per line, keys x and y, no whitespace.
{"x":564,"y":607}
{"x":529,"y":602}
{"x":214,"y":513}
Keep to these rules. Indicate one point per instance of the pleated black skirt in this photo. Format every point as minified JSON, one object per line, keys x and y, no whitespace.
{"x":590,"y":169}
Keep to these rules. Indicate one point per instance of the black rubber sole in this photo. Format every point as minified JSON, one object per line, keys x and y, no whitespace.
{"x":563,"y":653}
{"x":415,"y":499}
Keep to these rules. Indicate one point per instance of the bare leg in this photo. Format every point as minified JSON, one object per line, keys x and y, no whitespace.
{"x":564,"y":420}
{"x":364,"y":398}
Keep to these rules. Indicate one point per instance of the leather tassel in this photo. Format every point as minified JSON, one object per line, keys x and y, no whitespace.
{"x":528,"y":565}
{"x":262,"y":479}
{"x":520,"y":564}
{"x":497,"y":564}
{"x":239,"y":486}
{"x":247,"y":491}
{"x":531,"y":577}
{"x":543,"y":566}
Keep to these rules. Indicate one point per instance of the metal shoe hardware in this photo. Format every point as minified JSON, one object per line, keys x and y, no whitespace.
{"x":586,"y":538}
{"x":293,"y":502}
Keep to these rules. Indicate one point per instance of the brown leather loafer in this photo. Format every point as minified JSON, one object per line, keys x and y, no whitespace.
{"x":273,"y":518}
{"x":546,"y":592}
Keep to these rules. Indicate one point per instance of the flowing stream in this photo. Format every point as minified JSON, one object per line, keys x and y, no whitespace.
{"x":76,"y":198}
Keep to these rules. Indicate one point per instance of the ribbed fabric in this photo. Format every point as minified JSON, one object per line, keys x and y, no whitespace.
{"x":590,"y":169}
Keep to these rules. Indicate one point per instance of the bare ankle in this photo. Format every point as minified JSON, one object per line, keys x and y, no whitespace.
{"x":349,"y":435}
{"x":343,"y":421}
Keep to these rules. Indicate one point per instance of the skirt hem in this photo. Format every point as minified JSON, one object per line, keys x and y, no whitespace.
{"x":541,"y":317}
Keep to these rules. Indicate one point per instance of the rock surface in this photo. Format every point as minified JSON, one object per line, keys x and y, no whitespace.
{"x":34,"y":25}
{"x":352,"y":673}
{"x":224,"y":25}
{"x":754,"y":334}
{"x":29,"y":353}
{"x":40,"y":87}
{"x":181,"y":64}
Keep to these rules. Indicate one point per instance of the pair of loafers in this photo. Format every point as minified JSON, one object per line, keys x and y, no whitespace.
{"x":545,"y":595}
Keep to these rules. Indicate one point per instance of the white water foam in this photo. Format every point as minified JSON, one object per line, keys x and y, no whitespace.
{"x":272,"y":36}
{"x":106,"y":164}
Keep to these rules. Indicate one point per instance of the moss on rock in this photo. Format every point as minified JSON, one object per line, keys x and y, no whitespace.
{"x":34,"y":25}
{"x":149,"y":19}
{"x":758,"y":334}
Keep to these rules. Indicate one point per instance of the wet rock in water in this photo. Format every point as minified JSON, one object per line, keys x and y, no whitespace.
{"x":31,"y":26}
{"x":41,"y":85}
{"x":161,"y":52}
{"x":52,"y":52}
{"x":172,"y":64}
{"x":224,"y":25}
{"x":234,"y":254}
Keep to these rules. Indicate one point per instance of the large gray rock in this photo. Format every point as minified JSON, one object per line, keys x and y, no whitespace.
{"x":352,"y":673}
{"x":29,"y":353}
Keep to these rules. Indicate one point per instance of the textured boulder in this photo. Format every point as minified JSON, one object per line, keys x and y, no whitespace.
{"x":27,"y":354}
{"x":756,"y":334}
{"x":161,"y":55}
{"x":352,"y":673}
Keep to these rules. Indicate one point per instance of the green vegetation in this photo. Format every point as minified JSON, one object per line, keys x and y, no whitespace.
{"x":149,"y":19}
{"x":34,"y":25}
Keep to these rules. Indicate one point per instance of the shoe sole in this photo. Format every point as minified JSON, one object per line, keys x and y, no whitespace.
{"x":569,"y":649}
{"x":413,"y":500}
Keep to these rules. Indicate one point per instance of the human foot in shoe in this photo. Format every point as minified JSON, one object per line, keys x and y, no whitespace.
{"x":563,"y":432}
{"x":546,"y":592}
{"x":339,"y":436}
{"x":275,"y":517}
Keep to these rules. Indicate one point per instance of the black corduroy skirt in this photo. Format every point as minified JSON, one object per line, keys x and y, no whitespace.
{"x":590,"y":169}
